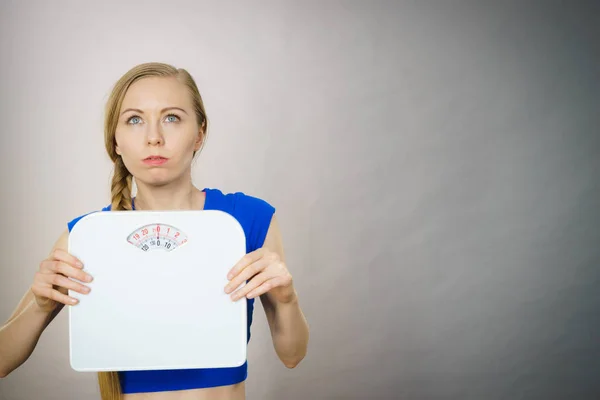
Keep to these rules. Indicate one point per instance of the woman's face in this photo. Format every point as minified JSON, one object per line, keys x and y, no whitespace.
{"x":157,"y":120}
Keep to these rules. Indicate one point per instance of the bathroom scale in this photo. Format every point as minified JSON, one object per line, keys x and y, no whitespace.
{"x":157,"y":298}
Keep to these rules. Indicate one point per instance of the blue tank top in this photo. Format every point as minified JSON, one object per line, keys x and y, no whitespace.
{"x":254,"y":215}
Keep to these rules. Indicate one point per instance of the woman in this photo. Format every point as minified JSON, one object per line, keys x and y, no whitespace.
{"x":154,"y":126}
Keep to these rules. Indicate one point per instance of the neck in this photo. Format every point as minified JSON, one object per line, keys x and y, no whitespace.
{"x":174,"y":196}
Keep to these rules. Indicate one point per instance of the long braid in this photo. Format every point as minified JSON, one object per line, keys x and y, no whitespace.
{"x":121,"y":187}
{"x":110,"y":386}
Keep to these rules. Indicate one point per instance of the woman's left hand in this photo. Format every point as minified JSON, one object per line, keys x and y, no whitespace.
{"x":267,"y":274}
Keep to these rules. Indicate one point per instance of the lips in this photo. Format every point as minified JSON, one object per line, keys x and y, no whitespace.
{"x":155,"y":160}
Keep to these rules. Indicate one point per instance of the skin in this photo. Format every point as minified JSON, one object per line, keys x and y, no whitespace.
{"x":157,"y":118}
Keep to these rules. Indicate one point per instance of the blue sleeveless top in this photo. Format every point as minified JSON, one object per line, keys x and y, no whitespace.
{"x":254,"y":215}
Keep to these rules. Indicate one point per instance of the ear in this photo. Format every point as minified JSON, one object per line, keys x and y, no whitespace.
{"x":116,"y":144}
{"x":199,"y":139}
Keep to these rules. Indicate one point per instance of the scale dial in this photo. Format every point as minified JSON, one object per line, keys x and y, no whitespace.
{"x":157,"y":237}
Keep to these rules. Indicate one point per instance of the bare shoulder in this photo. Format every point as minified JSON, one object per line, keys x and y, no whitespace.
{"x":273,"y":240}
{"x":62,"y":243}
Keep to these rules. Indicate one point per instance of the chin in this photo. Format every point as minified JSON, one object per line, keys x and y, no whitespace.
{"x":160,"y":182}
{"x":156,"y":180}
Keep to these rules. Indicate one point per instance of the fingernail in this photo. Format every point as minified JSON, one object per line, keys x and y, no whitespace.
{"x":73,"y":301}
{"x":86,"y":289}
{"x":89,"y":278}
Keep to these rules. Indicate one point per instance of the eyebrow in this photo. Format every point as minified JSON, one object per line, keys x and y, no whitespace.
{"x":161,"y":111}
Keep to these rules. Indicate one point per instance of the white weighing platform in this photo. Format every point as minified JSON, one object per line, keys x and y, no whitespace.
{"x":157,"y":299}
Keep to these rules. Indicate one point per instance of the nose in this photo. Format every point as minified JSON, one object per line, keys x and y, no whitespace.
{"x":154,"y":135}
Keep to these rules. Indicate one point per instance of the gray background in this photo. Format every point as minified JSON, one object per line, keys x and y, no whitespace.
{"x":435,"y":166}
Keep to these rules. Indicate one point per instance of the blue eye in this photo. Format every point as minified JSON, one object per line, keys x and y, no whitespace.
{"x":132,"y":119}
{"x":174,"y":117}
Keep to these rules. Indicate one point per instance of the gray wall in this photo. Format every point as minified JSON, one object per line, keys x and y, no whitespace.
{"x":435,"y":166}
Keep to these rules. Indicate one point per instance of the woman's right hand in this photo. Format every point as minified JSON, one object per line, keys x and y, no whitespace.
{"x":57,"y":274}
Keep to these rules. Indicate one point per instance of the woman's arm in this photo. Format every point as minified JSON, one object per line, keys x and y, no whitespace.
{"x":39,"y":306}
{"x":271,"y":280}
{"x":289,"y":328}
{"x":20,"y":334}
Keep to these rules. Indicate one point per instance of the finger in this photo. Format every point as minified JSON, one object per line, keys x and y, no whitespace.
{"x":266,"y":286}
{"x":61,"y":298}
{"x":53,"y":294}
{"x":248,"y":259}
{"x":57,"y":267}
{"x":255,"y":282}
{"x":66,"y":257}
{"x":64,"y":282}
{"x":246,"y":274}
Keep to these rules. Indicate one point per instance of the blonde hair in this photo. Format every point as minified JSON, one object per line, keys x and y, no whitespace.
{"x":121,"y":185}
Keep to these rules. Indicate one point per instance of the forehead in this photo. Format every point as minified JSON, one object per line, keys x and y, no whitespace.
{"x":156,"y":92}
